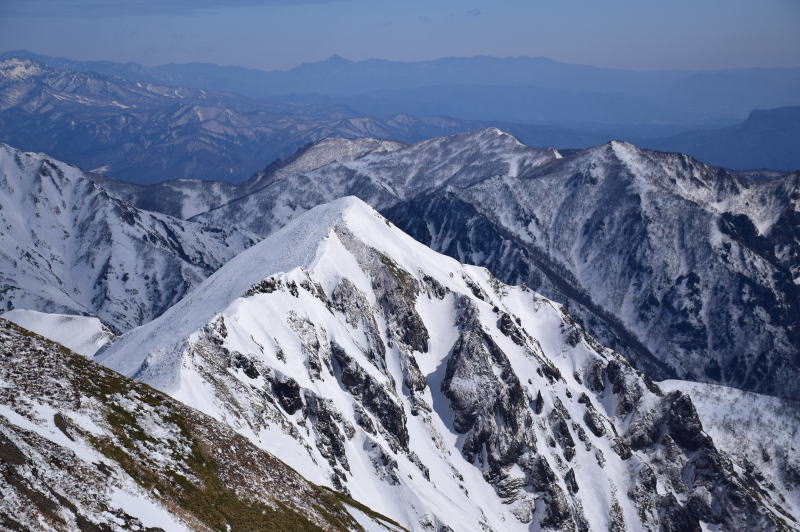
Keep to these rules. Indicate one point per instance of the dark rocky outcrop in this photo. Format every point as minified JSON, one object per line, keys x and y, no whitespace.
{"x":373,"y":395}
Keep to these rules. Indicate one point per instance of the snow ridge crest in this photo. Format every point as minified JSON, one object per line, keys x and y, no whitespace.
{"x":299,"y":245}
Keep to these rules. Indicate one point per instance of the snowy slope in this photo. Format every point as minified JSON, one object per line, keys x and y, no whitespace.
{"x":83,"y":334}
{"x":84,"y":448}
{"x":432,"y":392}
{"x":66,"y":246}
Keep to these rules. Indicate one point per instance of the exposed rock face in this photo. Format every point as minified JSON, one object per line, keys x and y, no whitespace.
{"x":758,"y":433}
{"x":486,"y":397}
{"x":674,"y":431}
{"x":84,"y":448}
{"x":375,"y":397}
{"x":439,"y":396}
{"x":687,"y":269}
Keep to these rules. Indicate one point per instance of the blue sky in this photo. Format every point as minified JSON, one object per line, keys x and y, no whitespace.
{"x":270,"y":34}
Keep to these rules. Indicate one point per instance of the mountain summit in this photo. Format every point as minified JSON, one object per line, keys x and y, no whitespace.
{"x":434,"y":393}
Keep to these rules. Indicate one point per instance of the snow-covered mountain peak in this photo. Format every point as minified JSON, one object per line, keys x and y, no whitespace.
{"x":25,"y":175}
{"x":532,"y":216}
{"x":350,"y":149}
{"x":307,"y":243}
{"x":429,"y":390}
{"x":669,"y":173}
{"x":624,"y":151}
{"x":493,"y":131}
{"x":490,"y":138}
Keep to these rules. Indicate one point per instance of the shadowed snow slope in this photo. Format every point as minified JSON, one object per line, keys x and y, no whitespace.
{"x":434,"y":393}
{"x":67,"y":246}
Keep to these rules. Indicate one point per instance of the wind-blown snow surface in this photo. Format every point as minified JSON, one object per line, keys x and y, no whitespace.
{"x":432,"y":392}
{"x":84,"y":448}
{"x":83,"y":334}
{"x":66,"y":246}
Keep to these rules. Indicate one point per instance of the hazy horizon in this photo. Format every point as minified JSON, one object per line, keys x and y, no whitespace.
{"x":200,"y":61}
{"x":278,"y":34}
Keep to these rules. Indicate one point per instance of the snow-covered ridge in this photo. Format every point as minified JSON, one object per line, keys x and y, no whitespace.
{"x":69,"y":247}
{"x":644,"y":246}
{"x":331,"y":150}
{"x":295,"y":246}
{"x":432,"y":392}
{"x":382,"y":178}
{"x":186,"y":198}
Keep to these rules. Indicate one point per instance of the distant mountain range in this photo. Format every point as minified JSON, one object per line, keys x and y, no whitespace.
{"x":144,"y":132}
{"x":516,"y":89}
{"x":147,"y":133}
